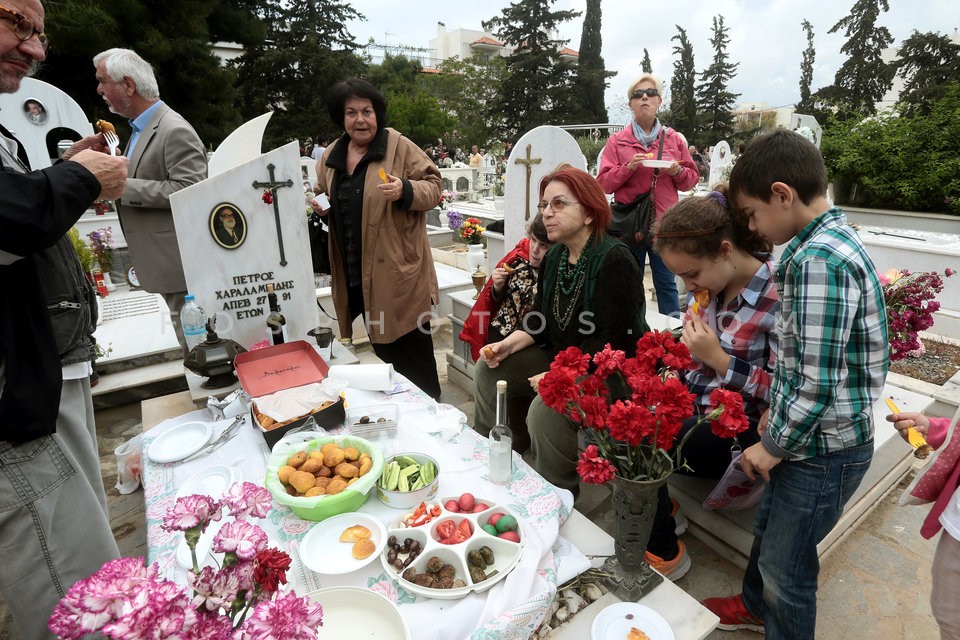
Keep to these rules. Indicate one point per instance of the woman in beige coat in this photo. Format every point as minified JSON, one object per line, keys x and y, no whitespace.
{"x":379,"y":185}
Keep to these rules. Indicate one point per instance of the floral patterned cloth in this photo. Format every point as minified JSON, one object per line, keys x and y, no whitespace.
{"x":513,"y":608}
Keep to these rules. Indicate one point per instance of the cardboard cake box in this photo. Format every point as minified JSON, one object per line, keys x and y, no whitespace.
{"x":285,"y":366}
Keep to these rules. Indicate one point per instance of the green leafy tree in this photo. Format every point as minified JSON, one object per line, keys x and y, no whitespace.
{"x":173,"y":36}
{"x":307,"y":50}
{"x":683,"y":104}
{"x":715,"y":101}
{"x":469,"y":91}
{"x":861,"y":81}
{"x":536,"y":89}
{"x":591,"y":76}
{"x":645,"y":65}
{"x":930,"y":65}
{"x":417,"y":115}
{"x":806,"y":71}
{"x":880,"y":154}
{"x":396,"y":74}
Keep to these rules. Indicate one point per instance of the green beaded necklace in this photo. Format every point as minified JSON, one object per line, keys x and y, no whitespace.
{"x":570,"y":281}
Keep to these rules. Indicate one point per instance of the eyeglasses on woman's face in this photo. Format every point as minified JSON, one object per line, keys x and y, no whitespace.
{"x":23,"y":27}
{"x":639,"y":93}
{"x":557,"y":205}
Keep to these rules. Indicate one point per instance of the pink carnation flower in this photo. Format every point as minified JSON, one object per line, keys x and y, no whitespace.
{"x":288,"y":616}
{"x":242,"y":538}
{"x":190,"y":512}
{"x":246,"y":499}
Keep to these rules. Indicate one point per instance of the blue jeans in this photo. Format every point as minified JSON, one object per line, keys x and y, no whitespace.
{"x":663,"y":280}
{"x":801,"y":504}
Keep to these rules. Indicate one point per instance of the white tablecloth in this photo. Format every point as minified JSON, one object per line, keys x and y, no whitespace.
{"x":513,"y":608}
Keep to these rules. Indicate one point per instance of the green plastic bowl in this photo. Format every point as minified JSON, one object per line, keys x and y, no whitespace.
{"x":321,"y":507}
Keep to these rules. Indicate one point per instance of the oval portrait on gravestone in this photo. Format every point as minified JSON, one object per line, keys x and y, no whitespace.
{"x":35,"y":112}
{"x":228,"y":226}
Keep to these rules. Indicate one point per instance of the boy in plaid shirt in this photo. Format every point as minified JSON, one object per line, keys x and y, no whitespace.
{"x":817,"y":437}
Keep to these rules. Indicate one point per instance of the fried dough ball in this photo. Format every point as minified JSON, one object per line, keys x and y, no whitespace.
{"x":265,"y":421}
{"x":314,"y":491}
{"x":336,"y":485}
{"x":297,"y":459}
{"x":302,"y":481}
{"x":323,"y":472}
{"x":351,"y":453}
{"x":347,"y":470}
{"x":363,"y":548}
{"x":283,"y":473}
{"x":323,"y":482}
{"x":355,"y":533}
{"x":330,"y":446}
{"x":333,"y":457}
{"x":316,"y":453}
{"x":365,"y":465}
{"x":311,"y":465}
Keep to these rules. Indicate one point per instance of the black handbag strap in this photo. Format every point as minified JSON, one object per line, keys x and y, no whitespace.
{"x":656,"y":172}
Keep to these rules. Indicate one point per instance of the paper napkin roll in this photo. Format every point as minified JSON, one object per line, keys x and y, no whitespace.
{"x":370,"y":377}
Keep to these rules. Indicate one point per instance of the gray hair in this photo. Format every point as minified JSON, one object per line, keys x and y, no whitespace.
{"x":121,"y":63}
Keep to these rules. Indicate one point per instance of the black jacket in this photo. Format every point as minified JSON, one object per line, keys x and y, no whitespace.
{"x":36,"y":210}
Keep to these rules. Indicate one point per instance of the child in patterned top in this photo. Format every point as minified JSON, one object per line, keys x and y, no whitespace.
{"x":729,"y":329}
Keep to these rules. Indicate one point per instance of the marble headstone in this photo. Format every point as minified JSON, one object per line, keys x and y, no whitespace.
{"x":798,"y":120}
{"x":538,"y":152}
{"x":243,"y":144}
{"x":720,"y":159}
{"x":40,"y":116}
{"x":229,"y":276}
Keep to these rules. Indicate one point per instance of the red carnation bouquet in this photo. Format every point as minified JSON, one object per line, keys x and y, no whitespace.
{"x":634,"y":436}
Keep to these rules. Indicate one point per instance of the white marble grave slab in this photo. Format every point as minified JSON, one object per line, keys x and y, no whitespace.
{"x":720,"y":158}
{"x":798,"y":120}
{"x":230,"y":279}
{"x":538,"y":152}
{"x":61,"y":118}
{"x":242,"y":145}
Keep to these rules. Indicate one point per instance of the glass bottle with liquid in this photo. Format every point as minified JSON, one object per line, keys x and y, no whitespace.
{"x":501,"y":440}
{"x":276,"y":323}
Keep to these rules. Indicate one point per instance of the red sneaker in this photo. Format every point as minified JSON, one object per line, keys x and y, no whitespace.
{"x":733,"y":615}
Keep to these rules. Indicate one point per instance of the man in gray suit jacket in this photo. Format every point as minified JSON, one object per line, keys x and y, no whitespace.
{"x":166,"y":155}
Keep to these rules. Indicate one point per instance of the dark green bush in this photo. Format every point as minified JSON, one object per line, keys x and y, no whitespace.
{"x":900,"y":162}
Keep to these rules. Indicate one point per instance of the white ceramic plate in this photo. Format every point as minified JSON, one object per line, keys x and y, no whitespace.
{"x":179,"y":442}
{"x":321,"y":550}
{"x":657,"y":164}
{"x":615,"y":622}
{"x":212,"y":481}
{"x":358,"y":614}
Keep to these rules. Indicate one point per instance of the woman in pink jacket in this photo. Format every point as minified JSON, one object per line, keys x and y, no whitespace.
{"x":623,"y":174}
{"x":945,"y":591}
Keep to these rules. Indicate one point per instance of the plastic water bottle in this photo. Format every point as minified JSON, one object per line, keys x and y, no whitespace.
{"x":501,"y":440}
{"x":193,"y":321}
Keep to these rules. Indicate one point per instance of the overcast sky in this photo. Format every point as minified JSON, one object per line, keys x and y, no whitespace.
{"x":765,"y":35}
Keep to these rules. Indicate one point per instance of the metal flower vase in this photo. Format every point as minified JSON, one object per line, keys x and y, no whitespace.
{"x":634,"y":508}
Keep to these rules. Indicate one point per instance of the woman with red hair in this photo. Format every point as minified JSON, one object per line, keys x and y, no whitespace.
{"x":589,"y":295}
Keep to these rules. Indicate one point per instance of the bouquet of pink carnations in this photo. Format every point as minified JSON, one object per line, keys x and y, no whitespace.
{"x":239,"y":601}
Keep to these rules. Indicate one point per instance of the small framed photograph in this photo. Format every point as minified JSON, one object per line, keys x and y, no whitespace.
{"x":35,"y":111}
{"x":228,"y":226}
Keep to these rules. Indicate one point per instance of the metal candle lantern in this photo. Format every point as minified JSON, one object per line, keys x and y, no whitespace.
{"x":213,"y":359}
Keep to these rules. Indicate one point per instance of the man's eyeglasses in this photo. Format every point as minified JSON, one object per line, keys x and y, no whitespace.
{"x":557,"y":205}
{"x":639,"y":93}
{"x":23,"y":27}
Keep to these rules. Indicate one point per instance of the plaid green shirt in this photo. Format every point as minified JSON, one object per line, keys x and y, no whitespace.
{"x":832,"y":352}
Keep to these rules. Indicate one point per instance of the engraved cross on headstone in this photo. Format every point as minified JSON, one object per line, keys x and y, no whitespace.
{"x":528,"y":162}
{"x":272,"y":185}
